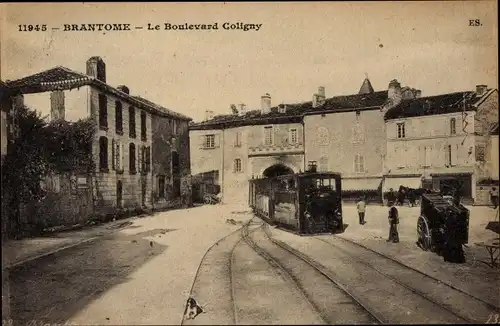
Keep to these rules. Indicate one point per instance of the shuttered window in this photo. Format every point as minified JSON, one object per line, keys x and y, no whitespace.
{"x":359,"y":163}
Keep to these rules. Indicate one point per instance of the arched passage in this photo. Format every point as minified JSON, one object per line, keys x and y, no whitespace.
{"x":276,"y":170}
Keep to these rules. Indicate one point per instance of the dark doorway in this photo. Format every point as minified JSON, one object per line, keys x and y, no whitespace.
{"x":119,"y":193}
{"x":276,"y":170}
{"x":176,"y":175}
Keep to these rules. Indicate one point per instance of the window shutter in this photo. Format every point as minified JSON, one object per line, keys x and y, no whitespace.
{"x":113,"y":162}
{"x":201,"y":141}
{"x":454,"y":155}
{"x":217,"y":140}
{"x":148,"y":159}
{"x":121,"y":155}
{"x":139,"y":158}
{"x":445,"y":152}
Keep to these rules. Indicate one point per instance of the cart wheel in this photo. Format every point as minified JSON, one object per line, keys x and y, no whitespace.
{"x":208,"y":200}
{"x":424,"y":234}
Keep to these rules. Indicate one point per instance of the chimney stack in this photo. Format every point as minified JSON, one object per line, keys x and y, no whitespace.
{"x":265,"y":101}
{"x":418,"y":93}
{"x":209,"y":115}
{"x":481,"y":90}
{"x":319,"y":98}
{"x":124,"y":89}
{"x":242,"y":109}
{"x":96,"y":68}
{"x":394,"y":92}
{"x":57,"y":111}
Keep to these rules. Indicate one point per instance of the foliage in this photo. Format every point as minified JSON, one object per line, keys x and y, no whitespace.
{"x":40,"y":148}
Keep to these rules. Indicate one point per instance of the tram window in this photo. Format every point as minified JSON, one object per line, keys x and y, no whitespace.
{"x":326,"y":183}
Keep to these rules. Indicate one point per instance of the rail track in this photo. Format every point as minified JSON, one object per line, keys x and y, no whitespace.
{"x":333,"y":302}
{"x":469,"y":308}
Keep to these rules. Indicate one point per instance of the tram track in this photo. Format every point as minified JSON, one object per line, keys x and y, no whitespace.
{"x":465,"y":306}
{"x":332,"y":301}
{"x":487,"y":304}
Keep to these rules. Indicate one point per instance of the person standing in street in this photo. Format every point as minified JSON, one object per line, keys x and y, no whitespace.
{"x":393,"y":222}
{"x":361,"y":206}
{"x":494,"y":197}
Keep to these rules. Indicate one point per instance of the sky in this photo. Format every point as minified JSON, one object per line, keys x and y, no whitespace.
{"x":300,"y":46}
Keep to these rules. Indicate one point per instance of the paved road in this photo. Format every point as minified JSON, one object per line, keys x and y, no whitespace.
{"x":138,"y":275}
{"x":54,"y":288}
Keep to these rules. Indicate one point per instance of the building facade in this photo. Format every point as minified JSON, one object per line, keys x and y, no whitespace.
{"x":432,"y":141}
{"x":344,"y":134}
{"x":122,"y":149}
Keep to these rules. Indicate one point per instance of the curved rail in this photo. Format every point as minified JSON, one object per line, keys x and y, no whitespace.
{"x":321,"y":270}
{"x":486,"y":303}
{"x":203,"y":258}
{"x":274,"y":263}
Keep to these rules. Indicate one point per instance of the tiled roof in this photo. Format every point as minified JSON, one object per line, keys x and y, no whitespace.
{"x":55,"y":76}
{"x":295,"y":112}
{"x":161,"y":108}
{"x":64,"y":78}
{"x":431,"y":105}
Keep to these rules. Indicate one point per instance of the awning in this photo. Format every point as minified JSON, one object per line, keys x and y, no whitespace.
{"x":361,"y":184}
{"x":395,"y":183}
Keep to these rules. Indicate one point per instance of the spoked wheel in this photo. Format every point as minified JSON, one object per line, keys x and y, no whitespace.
{"x":424,"y":234}
{"x":208,"y":200}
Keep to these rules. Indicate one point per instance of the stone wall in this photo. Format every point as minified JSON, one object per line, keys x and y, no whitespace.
{"x":105,"y":182}
{"x":68,"y":201}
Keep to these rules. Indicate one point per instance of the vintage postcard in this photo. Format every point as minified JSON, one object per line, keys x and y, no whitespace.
{"x":247,"y":163}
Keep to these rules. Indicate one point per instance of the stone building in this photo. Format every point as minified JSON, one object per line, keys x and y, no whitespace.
{"x":342,"y":134}
{"x":434,"y":140}
{"x":122,"y":150}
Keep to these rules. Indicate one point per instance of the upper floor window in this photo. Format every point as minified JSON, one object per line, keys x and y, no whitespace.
{"x":480,"y":153}
{"x":268,"y":135}
{"x":401,"y":130}
{"x":103,"y":111}
{"x":357,"y":133}
{"x":131,"y":122}
{"x":117,"y":155}
{"x":237,"y":165}
{"x":237,"y":139}
{"x":103,"y":153}
{"x":145,"y":159}
{"x":143,"y":126}
{"x":209,"y":141}
{"x":448,"y":155}
{"x":174,"y":126}
{"x":453,"y":126}
{"x":119,"y":117}
{"x":131,"y":158}
{"x":294,"y":139}
{"x":359,"y":163}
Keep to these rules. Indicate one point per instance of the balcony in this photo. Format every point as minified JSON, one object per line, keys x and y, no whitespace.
{"x":281,"y":149}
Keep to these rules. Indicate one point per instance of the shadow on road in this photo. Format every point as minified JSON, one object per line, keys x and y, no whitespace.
{"x":54,"y":288}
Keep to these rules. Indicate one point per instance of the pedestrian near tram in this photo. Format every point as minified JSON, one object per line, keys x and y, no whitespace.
{"x":393,"y":223}
{"x":361,"y":206}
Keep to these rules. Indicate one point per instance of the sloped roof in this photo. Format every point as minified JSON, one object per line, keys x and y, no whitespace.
{"x":432,"y":105}
{"x":54,"y":76}
{"x":294,"y":112}
{"x":494,"y":131}
{"x":161,"y":108}
{"x":366,"y":87}
{"x":65,"y":78}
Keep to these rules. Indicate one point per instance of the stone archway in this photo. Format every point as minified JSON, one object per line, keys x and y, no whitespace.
{"x":276,"y":170}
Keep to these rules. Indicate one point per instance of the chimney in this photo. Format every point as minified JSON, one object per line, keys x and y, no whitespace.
{"x":124,"y":89}
{"x":265,"y":101}
{"x":242,"y":110}
{"x":209,"y":115}
{"x":96,"y":68}
{"x":418,"y":93}
{"x":57,"y":111}
{"x":319,"y":97}
{"x":481,"y":90}
{"x":394,"y":92}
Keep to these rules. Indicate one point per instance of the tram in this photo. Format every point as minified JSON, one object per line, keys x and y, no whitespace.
{"x":305,"y":203}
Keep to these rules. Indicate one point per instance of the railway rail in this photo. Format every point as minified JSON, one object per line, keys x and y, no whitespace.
{"x":464,"y":306}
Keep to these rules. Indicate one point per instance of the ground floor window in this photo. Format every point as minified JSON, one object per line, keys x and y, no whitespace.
{"x":161,"y":186}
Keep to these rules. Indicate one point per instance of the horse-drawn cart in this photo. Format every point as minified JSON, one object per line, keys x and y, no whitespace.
{"x":442,"y":226}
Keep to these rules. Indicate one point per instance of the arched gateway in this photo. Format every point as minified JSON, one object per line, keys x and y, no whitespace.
{"x":276,"y":170}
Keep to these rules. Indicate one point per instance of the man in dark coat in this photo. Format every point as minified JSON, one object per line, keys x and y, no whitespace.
{"x":393,"y":222}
